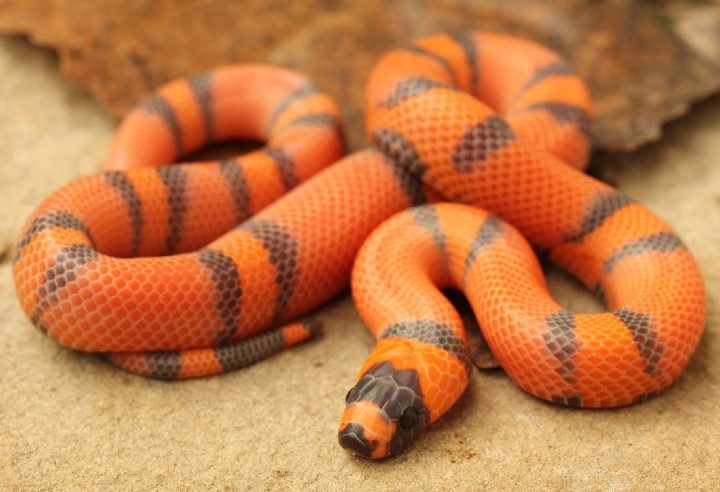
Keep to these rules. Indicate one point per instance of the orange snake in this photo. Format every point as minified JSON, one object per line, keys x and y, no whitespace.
{"x":146,"y":262}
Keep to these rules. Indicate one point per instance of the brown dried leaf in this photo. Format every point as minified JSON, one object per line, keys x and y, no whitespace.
{"x":644,"y":61}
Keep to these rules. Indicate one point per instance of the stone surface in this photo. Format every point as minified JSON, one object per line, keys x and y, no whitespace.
{"x":69,"y":421}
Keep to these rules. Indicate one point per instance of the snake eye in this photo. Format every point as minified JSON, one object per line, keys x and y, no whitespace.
{"x":409,"y":417}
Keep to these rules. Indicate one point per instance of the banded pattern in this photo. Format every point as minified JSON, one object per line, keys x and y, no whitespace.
{"x":133,"y":202}
{"x":174,"y":179}
{"x":512,"y":152}
{"x":432,"y":332}
{"x":282,"y":251}
{"x":488,"y":232}
{"x":427,"y":218}
{"x":237,"y":184}
{"x":413,"y":87}
{"x":470,"y":48}
{"x":183,"y":307}
{"x":663,"y":242}
{"x":201,"y":362}
{"x":178,"y":272}
{"x":418,"y":50}
{"x":566,"y":114}
{"x":63,"y":273}
{"x":285,"y":166}
{"x":562,"y":343}
{"x":201,"y":86}
{"x":160,"y":106}
{"x":551,"y":70}
{"x":599,"y":209}
{"x":54,"y":219}
{"x":225,"y":276}
{"x":480,"y":142}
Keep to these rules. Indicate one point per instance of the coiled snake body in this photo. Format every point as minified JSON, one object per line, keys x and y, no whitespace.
{"x":128,"y":262}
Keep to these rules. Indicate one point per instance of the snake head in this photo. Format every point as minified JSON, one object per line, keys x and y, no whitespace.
{"x":384,"y":412}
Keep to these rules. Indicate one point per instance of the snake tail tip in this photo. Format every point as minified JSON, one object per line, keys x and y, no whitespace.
{"x":314,"y":327}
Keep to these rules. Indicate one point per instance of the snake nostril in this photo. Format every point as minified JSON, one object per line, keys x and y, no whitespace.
{"x":352,"y":437}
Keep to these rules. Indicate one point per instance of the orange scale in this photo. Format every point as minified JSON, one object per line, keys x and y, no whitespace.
{"x":28,"y":280}
{"x":449,"y":49}
{"x":314,"y":103}
{"x":632,"y":222}
{"x":188,"y":113}
{"x":538,"y":127}
{"x":257,"y":279}
{"x":309,"y":159}
{"x":563,"y":141}
{"x":210,"y":210}
{"x":622,"y":289}
{"x":131,"y":362}
{"x":606,"y":341}
{"x":183,"y":279}
{"x":515,"y":59}
{"x":143,"y":140}
{"x":57,"y":239}
{"x":387,"y":349}
{"x":535,"y":378}
{"x":561,"y":90}
{"x":240,"y":109}
{"x":438,"y":395}
{"x":153,"y":195}
{"x":194,"y":363}
{"x":264,"y":186}
{"x":381,"y":83}
{"x":675,"y":358}
{"x":575,"y":258}
{"x":295,"y":333}
{"x":377,"y":118}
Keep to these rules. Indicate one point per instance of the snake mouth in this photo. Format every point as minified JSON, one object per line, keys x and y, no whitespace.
{"x":352,"y":437}
{"x":365,"y":430}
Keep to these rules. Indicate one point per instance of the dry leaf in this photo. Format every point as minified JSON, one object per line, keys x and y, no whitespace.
{"x":644,"y":61}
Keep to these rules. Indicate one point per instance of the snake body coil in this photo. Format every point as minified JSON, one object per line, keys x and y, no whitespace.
{"x":110,"y":263}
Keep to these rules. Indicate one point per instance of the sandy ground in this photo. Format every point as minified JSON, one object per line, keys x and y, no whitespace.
{"x":69,"y":421}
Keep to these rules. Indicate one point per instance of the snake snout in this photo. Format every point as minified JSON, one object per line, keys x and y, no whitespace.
{"x":383,"y":413}
{"x":365,"y":430}
{"x":352,"y":437}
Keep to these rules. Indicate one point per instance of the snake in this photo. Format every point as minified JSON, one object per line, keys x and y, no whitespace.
{"x":478,"y":145}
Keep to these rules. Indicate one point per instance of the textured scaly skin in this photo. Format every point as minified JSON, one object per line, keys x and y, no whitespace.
{"x":178,"y":271}
{"x":509,"y":154}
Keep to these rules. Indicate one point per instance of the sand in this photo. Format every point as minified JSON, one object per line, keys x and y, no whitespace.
{"x":68,"y":421}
